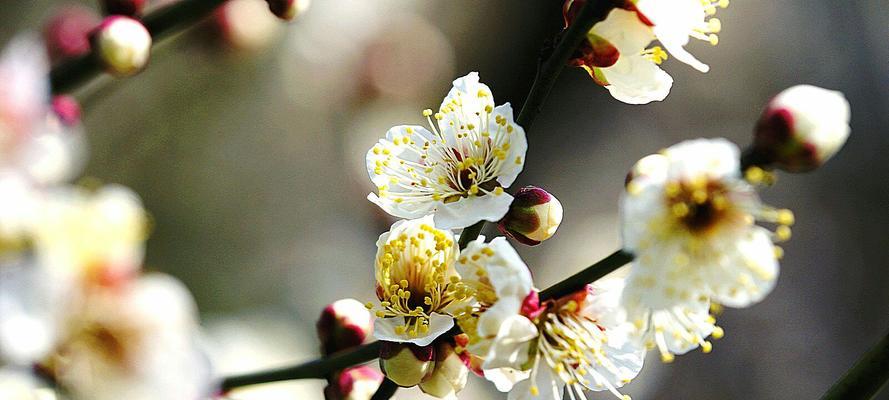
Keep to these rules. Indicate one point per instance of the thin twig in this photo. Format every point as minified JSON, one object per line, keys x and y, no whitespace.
{"x":385,"y":391}
{"x":320,"y":368}
{"x":161,"y":23}
{"x":866,"y":377}
{"x":315,"y":369}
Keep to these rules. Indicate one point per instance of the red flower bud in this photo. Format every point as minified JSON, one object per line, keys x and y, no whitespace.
{"x":67,"y":109}
{"x":343,"y":324}
{"x":533,"y":216}
{"x":67,"y":33}
{"x":800,"y":129}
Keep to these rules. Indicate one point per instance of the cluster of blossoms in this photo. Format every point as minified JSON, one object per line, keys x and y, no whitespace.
{"x":618,"y":54}
{"x":690,"y":215}
{"x":75,"y":309}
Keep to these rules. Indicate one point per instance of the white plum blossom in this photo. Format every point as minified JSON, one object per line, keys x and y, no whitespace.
{"x":690,"y":219}
{"x":535,"y":350}
{"x":457,"y":169}
{"x":135,"y":342}
{"x":77,"y":239}
{"x":416,"y":282}
{"x":618,"y":55}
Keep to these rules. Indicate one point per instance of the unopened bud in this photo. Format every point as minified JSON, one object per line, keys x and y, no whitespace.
{"x":406,"y":364}
{"x":800,"y":129}
{"x":246,"y":24}
{"x":67,"y":33}
{"x":122,"y":44}
{"x":130,"y":8}
{"x":288,"y":9}
{"x":343,"y":324}
{"x":533,"y":216}
{"x":67,"y":109}
{"x":356,"y":383}
{"x":451,"y":368}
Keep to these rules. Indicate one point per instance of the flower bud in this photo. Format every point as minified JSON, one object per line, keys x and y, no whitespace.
{"x":800,"y":129}
{"x":343,"y":324}
{"x":288,"y":9}
{"x":130,"y":8}
{"x":123,"y":45}
{"x":451,"y":368}
{"x":67,"y":33}
{"x":245,"y":25}
{"x":406,"y":364}
{"x":533,"y":216}
{"x":356,"y":383}
{"x":67,"y":109}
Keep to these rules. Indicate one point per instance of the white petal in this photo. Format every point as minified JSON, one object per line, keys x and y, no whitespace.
{"x":748,"y":273}
{"x":518,"y":146}
{"x":634,"y":79}
{"x":625,"y":31}
{"x":384,"y":329}
{"x":469,"y":210}
{"x":510,"y":348}
{"x":548,"y":385}
{"x":505,"y":378}
{"x":464,"y":96}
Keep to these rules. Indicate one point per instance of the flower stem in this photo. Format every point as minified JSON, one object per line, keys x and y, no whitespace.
{"x":320,"y":368}
{"x":385,"y":391}
{"x":587,"y":275}
{"x":866,"y":377}
{"x":315,"y":369}
{"x":161,"y":23}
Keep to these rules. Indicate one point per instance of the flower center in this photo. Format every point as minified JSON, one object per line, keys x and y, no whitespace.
{"x":699,"y":205}
{"x":572,"y":345}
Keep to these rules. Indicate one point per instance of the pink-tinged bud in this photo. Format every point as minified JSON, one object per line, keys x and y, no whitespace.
{"x":122,"y":45}
{"x":343,"y":324}
{"x":451,"y":368}
{"x":288,"y":9}
{"x":800,"y":129}
{"x":356,"y":383}
{"x":407,"y":364}
{"x":533,"y":216}
{"x":67,"y":33}
{"x":130,"y":8}
{"x":67,"y":109}
{"x":246,"y":24}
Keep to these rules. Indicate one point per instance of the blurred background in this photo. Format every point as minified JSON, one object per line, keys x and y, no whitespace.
{"x":246,"y":139}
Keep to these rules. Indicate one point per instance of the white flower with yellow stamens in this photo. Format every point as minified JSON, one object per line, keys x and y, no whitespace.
{"x":418,"y":288}
{"x":675,"y":21}
{"x":458,"y":170}
{"x":690,"y":218}
{"x":578,"y":342}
